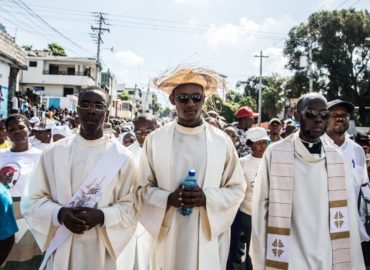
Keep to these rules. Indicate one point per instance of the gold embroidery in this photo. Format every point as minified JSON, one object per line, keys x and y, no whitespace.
{"x":338,"y":217}
{"x":278,"y":250}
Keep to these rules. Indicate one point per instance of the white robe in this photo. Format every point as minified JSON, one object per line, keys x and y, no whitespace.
{"x":310,"y":243}
{"x":135,"y":256}
{"x":201,"y":240}
{"x":60,"y":172}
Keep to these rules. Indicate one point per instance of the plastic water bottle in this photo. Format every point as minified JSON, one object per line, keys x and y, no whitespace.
{"x":190,"y":182}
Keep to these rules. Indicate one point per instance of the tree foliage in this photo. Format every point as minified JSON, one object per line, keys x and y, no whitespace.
{"x":56,"y":49}
{"x":340,"y":46}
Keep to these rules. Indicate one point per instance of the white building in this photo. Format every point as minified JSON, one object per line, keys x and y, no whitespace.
{"x":59,"y":79}
{"x":12,"y":59}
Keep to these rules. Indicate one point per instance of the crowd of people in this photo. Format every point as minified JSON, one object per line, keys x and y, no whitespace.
{"x":82,"y":191}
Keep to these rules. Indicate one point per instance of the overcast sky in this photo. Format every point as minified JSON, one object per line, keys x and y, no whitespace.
{"x":149,"y":37}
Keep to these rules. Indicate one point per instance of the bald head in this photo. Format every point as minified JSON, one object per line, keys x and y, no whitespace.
{"x":306,"y":99}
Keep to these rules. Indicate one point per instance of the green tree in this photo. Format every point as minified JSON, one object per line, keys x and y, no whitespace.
{"x":56,"y":49}
{"x":124,"y":96}
{"x":166,"y":112}
{"x":340,"y":45}
{"x":155,"y":106}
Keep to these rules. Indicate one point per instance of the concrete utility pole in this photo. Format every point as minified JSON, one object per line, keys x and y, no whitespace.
{"x":133,"y":104}
{"x":260,"y":88}
{"x":98,"y":39}
{"x":310,"y":73}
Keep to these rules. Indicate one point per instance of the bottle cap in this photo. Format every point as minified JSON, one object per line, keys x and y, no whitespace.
{"x":191,"y":173}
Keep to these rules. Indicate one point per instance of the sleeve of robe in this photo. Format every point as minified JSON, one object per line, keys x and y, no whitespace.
{"x":36,"y":206}
{"x":223,"y":202}
{"x":151,"y":201}
{"x":260,"y":204}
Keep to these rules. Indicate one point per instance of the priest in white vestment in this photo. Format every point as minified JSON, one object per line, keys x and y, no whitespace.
{"x":96,"y":234}
{"x":297,"y":188}
{"x":201,"y":239}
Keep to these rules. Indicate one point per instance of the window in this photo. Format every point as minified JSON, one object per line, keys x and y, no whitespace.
{"x":67,"y":91}
{"x":53,"y":69}
{"x":33,"y":64}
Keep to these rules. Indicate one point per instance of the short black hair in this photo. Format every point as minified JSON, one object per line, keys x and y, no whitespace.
{"x":146,"y":117}
{"x":92,"y":88}
{"x":303,"y":100}
{"x":17,"y":117}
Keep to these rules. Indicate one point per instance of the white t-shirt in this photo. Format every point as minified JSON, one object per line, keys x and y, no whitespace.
{"x":15,"y":103}
{"x":18,"y":166}
{"x":250,"y":166}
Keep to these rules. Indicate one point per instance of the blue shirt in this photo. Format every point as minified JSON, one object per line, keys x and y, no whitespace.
{"x":8,"y":225}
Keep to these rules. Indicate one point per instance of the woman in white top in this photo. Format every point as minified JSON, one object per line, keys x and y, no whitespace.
{"x":16,"y":166}
{"x":257,"y":140}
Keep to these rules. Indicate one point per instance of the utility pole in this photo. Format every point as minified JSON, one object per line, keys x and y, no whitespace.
{"x":310,"y":73}
{"x":133,"y":103}
{"x":101,"y":21}
{"x":260,"y":88}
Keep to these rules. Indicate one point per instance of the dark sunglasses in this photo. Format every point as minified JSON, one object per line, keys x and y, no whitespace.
{"x":312,"y":114}
{"x":184,"y":98}
{"x":143,"y":132}
{"x":95,"y":106}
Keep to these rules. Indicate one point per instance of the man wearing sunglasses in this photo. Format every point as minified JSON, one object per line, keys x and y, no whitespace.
{"x":79,"y":205}
{"x":199,"y":241}
{"x":303,"y":214}
{"x":352,"y":153}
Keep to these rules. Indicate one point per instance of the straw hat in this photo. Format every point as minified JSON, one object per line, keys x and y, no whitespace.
{"x":208,"y":79}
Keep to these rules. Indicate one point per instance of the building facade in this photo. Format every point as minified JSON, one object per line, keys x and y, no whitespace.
{"x":58,"y":79}
{"x":12,"y":59}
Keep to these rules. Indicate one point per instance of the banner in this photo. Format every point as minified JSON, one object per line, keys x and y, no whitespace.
{"x":3,"y":102}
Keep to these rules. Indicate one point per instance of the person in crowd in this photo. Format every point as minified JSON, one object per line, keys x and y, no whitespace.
{"x":352,"y":153}
{"x":60,"y":132}
{"x":136,"y":255}
{"x":8,"y":224}
{"x":245,"y":117}
{"x":127,"y":138}
{"x":364,"y":141}
{"x":304,"y":216}
{"x":15,"y":103}
{"x":16,"y":165}
{"x":274,"y":130}
{"x":4,"y":142}
{"x":41,"y":138}
{"x":144,"y":124}
{"x":201,"y":239}
{"x":78,"y":204}
{"x":231,"y":131}
{"x":289,"y":129}
{"x":213,"y":122}
{"x":75,"y":123}
{"x":257,"y":140}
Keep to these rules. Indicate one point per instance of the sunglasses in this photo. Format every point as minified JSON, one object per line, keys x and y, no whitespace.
{"x":184,"y":98}
{"x":95,"y":106}
{"x":312,"y":114}
{"x":143,"y":132}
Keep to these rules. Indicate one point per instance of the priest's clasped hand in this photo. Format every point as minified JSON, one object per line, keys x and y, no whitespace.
{"x":78,"y":220}
{"x":187,"y":198}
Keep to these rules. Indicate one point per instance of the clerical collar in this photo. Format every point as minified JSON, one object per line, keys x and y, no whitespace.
{"x":312,"y":147}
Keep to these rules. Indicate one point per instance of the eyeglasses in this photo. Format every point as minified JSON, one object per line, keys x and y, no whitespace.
{"x":312,"y":114}
{"x":95,"y":106}
{"x":140,"y":132}
{"x":339,"y":115}
{"x":184,"y":98}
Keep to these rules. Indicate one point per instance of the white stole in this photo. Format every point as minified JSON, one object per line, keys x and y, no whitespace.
{"x":90,"y":191}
